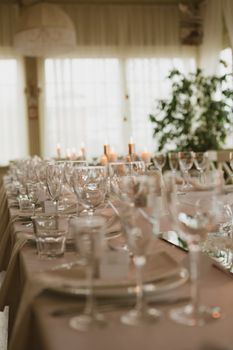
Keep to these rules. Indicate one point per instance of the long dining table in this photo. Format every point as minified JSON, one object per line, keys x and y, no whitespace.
{"x":39,"y":316}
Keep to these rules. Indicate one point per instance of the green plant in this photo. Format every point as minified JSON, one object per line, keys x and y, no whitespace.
{"x":197,"y":116}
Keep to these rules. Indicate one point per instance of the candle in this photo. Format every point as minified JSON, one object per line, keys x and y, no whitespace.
{"x":82,"y":151}
{"x":145,"y":155}
{"x":68,"y":154}
{"x":112,"y":156}
{"x":58,"y":150}
{"x":106,"y":149}
{"x":104,"y":160}
{"x":131,"y":146}
{"x":73,"y":154}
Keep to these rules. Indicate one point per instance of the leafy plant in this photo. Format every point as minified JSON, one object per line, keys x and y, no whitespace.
{"x":197,"y":116}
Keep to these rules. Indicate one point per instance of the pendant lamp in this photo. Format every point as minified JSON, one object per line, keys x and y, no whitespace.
{"x":44,"y":29}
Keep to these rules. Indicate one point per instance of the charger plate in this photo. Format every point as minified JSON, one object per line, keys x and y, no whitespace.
{"x":162,"y":274}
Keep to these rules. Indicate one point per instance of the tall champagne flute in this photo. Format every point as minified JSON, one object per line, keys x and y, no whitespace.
{"x":159,"y":161}
{"x":173,"y":162}
{"x":194,"y":216}
{"x":186,"y":162}
{"x":32,"y":191}
{"x":89,"y":242}
{"x":201,"y":162}
{"x":55,"y":179}
{"x":139,"y":242}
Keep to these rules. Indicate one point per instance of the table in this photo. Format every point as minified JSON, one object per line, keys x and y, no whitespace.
{"x":53,"y":333}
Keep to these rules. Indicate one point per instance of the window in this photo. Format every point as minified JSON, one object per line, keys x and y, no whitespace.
{"x":103,"y":100}
{"x":13,"y":142}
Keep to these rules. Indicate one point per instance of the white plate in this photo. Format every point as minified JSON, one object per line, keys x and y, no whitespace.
{"x":157,"y":287}
{"x":162,"y":273}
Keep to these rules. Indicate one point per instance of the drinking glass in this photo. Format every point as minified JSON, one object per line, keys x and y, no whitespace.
{"x":32,"y":191}
{"x":50,"y":232}
{"x":194,"y":216}
{"x":69,"y":167}
{"x":55,"y":179}
{"x":186,"y":162}
{"x":90,"y":186}
{"x":173,"y":162}
{"x":201,"y":162}
{"x":139,"y":243}
{"x":159,"y":160}
{"x":89,"y":240}
{"x":118,"y":170}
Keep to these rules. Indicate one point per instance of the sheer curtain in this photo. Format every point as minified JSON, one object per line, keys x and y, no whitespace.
{"x":106,"y":89}
{"x":94,"y":101}
{"x":13,"y":131}
{"x":13,"y":136}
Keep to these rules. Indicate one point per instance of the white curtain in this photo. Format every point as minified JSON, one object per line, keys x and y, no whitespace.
{"x":212,"y":39}
{"x":94,"y":101}
{"x":228,"y":16}
{"x":13,"y":131}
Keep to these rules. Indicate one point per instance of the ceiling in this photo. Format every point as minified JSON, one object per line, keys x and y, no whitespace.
{"x":160,"y":2}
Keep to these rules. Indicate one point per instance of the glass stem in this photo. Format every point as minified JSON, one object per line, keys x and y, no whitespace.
{"x":186,"y":178}
{"x":56,"y":206}
{"x":90,"y":302}
{"x":202,"y":177}
{"x":34,"y":209}
{"x":194,"y":256}
{"x":140,"y":301}
{"x":77,"y":209}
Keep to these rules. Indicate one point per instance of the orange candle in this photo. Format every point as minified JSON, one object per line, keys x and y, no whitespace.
{"x":58,"y":151}
{"x":131,"y":147}
{"x":112,"y":156}
{"x":106,"y":149}
{"x":104,"y":160}
{"x":145,"y":155}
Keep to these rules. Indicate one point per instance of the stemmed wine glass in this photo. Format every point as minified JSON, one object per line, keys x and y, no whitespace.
{"x":90,"y":186}
{"x":89,"y":242}
{"x":194,"y":216}
{"x":201,"y":162}
{"x":32,"y":192}
{"x":139,"y":242}
{"x":55,"y":179}
{"x":119,"y":170}
{"x":173,"y":162}
{"x":186,"y":162}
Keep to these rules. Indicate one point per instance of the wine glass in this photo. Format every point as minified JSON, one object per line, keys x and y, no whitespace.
{"x":173,"y":162}
{"x":118,"y":170}
{"x":186,"y":162}
{"x":90,"y":186}
{"x":54,"y":179}
{"x":194,"y":216}
{"x":201,"y":162}
{"x":139,"y":242}
{"x":89,"y":242}
{"x":159,"y":160}
{"x":32,"y":192}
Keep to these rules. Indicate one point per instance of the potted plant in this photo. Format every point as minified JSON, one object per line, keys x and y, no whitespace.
{"x":198,"y":114}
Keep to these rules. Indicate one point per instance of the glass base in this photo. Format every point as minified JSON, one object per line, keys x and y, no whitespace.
{"x":187,"y":316}
{"x":84,"y":322}
{"x":136,"y":318}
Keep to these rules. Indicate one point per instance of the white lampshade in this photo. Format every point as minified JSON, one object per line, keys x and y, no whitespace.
{"x":43,"y":30}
